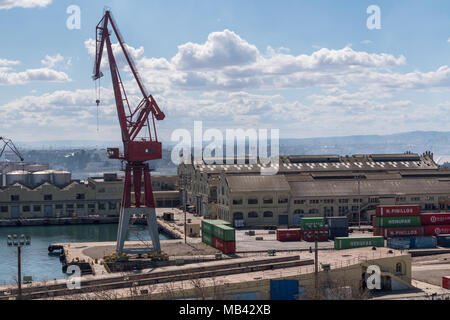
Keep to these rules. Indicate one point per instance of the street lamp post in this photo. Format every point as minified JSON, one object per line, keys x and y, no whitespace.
{"x":19,"y":242}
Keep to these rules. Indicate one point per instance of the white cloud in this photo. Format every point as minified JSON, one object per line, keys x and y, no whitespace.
{"x":52,"y":61}
{"x":32,"y":75}
{"x":9,"y":4}
{"x":222,"y":49}
{"x":6,"y":62}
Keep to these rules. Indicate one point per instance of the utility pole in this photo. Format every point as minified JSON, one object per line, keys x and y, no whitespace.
{"x":316,"y":267}
{"x":184,"y":209}
{"x":19,"y":242}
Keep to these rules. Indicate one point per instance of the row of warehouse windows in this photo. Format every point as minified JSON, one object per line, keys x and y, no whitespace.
{"x":38,"y":208}
{"x":49,"y":197}
{"x":265,"y":200}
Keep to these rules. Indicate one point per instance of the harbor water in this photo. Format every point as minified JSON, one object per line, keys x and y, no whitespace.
{"x":37,"y":262}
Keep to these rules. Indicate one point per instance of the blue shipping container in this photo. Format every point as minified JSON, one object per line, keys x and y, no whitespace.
{"x":423,"y":242}
{"x":283,"y":289}
{"x":412,"y":243}
{"x":399,"y":243}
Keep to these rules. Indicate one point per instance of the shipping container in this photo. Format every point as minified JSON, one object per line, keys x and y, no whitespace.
{"x":224,"y":246}
{"x":309,"y":235}
{"x":341,"y":243}
{"x":446,"y":282}
{"x":439,"y":218}
{"x":313,"y":223}
{"x":337,"y":222}
{"x":399,"y":243}
{"x":412,"y":243}
{"x":397,"y":211}
{"x":207,"y":238}
{"x":394,"y":222}
{"x":288,"y":235}
{"x":207,"y":225}
{"x":284,"y":289}
{"x":377,"y":232}
{"x":423,"y":242}
{"x":437,"y":230}
{"x":226,"y":233}
{"x":399,"y":232}
{"x":337,"y":232}
{"x":443,"y":240}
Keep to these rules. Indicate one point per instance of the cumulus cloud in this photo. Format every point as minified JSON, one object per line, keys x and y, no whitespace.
{"x":32,"y":75}
{"x":6,"y":62}
{"x":9,"y":4}
{"x":52,"y":61}
{"x":222,"y":49}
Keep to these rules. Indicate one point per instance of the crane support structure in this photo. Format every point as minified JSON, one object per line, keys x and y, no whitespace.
{"x":134,"y":123}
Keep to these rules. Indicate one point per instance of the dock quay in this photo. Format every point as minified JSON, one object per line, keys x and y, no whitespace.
{"x":58,"y":221}
{"x":159,"y":275}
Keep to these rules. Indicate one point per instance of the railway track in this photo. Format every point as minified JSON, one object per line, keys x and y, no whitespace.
{"x":184,"y":273}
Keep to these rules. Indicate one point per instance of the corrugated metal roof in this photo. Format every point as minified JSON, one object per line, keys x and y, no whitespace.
{"x":326,"y":188}
{"x":257,"y":183}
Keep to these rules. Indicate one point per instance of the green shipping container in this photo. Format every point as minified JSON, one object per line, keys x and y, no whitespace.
{"x":225,"y":233}
{"x":207,"y":238}
{"x":341,"y":243}
{"x":312,"y":223}
{"x":392,"y":222}
{"x":207,"y":225}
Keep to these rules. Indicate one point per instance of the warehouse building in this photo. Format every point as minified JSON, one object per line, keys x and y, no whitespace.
{"x":200,"y":181}
{"x":50,"y":197}
{"x":285,"y":200}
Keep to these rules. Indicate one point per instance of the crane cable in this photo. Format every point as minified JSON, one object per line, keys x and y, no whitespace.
{"x":97,"y":100}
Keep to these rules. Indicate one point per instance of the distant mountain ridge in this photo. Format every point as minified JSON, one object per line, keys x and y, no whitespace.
{"x":414,"y":141}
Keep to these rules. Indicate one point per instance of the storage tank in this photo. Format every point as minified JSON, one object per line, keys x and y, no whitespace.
{"x":39,"y":177}
{"x":61,"y":178}
{"x":35,"y":167}
{"x":19,"y":176}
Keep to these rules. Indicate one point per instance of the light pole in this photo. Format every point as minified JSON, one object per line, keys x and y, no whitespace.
{"x":19,"y":242}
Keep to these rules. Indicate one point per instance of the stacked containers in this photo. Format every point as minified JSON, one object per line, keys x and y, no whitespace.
{"x":436,"y":223}
{"x":207,"y":230}
{"x":341,"y":243}
{"x":337,"y":227}
{"x":398,"y":221}
{"x":224,"y":238}
{"x":311,"y":226}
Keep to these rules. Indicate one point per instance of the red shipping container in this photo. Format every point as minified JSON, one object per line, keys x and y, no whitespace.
{"x":438,"y":218}
{"x":373,"y":221}
{"x":377,"y":232}
{"x":308,"y":235}
{"x":288,"y":235}
{"x":399,"y":232}
{"x":397,"y":211}
{"x":224,"y":246}
{"x":446,"y":282}
{"x":437,"y":230}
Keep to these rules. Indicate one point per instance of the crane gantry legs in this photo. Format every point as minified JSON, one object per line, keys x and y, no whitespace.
{"x":134,"y":172}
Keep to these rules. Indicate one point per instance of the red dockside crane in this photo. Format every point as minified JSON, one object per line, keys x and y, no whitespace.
{"x":134,"y":123}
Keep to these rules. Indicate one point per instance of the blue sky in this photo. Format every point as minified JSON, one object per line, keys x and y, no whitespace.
{"x":308,"y":68}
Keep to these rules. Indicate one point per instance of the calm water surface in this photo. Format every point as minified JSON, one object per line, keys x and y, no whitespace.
{"x":36,"y":261}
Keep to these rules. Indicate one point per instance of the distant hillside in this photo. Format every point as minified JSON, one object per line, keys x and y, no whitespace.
{"x":416,"y":141}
